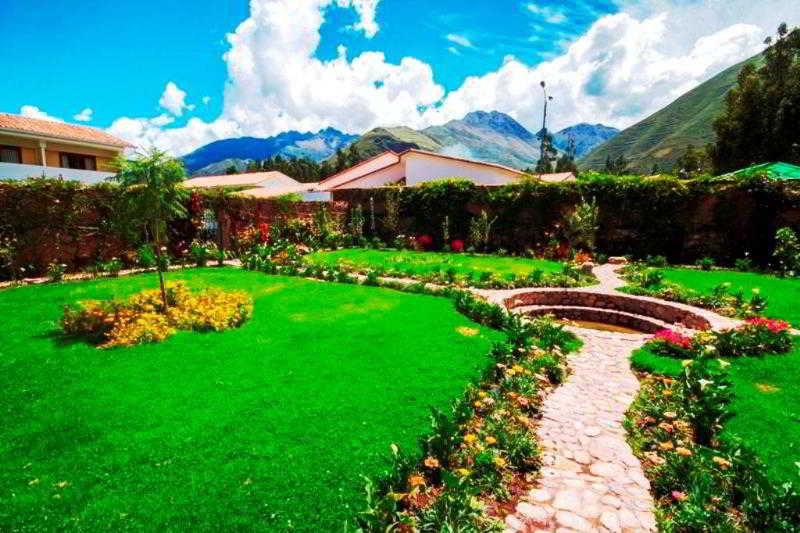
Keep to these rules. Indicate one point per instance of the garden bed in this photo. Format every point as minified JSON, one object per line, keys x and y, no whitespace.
{"x":455,"y":268}
{"x":269,"y":426}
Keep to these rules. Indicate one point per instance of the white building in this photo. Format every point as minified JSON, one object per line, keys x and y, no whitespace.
{"x":414,"y":167}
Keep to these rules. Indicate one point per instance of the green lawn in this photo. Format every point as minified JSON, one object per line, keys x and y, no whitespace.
{"x":783,"y":294}
{"x":766,"y":406}
{"x":419,"y":263}
{"x":268,"y":427}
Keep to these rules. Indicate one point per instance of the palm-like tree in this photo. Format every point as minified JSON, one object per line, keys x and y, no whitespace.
{"x":152,"y":185}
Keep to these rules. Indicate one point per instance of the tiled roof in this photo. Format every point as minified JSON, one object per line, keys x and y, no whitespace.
{"x":59,"y":130}
{"x":559,"y":177}
{"x":268,"y":179}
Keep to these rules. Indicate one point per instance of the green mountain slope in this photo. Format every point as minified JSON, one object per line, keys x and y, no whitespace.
{"x":662,"y":138}
{"x":397,"y":139}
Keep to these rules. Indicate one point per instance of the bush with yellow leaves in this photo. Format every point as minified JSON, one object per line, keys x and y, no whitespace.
{"x":142,"y":319}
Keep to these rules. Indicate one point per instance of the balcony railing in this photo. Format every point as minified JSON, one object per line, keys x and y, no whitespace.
{"x":14,"y":171}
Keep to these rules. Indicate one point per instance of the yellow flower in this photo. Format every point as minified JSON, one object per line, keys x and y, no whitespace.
{"x":463,"y":472}
{"x":500,"y":462}
{"x":470,"y":438}
{"x":491,"y":440}
{"x":722,"y":463}
{"x":683,"y":452}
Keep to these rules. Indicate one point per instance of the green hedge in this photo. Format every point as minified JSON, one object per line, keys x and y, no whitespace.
{"x":682,"y":220}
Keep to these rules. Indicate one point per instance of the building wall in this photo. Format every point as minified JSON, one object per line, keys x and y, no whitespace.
{"x":421,"y":168}
{"x":381,"y":178}
{"x":31,"y":153}
{"x":361,"y":169}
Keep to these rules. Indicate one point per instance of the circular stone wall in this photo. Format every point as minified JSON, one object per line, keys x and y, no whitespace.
{"x":583,"y":303}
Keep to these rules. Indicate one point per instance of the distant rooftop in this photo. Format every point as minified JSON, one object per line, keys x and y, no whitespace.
{"x":58,"y":130}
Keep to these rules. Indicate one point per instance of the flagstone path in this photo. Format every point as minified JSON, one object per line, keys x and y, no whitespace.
{"x":590,"y":481}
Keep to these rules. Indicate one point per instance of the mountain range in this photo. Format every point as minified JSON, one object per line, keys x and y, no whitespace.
{"x":660,"y":139}
{"x":316,"y":146}
{"x":487,"y":136}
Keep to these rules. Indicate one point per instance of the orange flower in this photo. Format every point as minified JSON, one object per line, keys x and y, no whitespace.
{"x":416,"y":481}
{"x":722,"y":463}
{"x":431,"y":462}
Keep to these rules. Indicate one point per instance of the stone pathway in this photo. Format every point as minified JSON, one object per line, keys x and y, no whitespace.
{"x":590,"y":481}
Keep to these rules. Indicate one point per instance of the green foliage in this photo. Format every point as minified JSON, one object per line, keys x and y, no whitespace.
{"x":145,"y":256}
{"x":56,"y":271}
{"x":152,"y":188}
{"x":787,"y":252}
{"x":706,"y":263}
{"x":706,"y":393}
{"x":480,"y":228}
{"x":580,"y":226}
{"x":759,"y":122}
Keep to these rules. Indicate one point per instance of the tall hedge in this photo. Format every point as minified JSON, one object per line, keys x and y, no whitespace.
{"x":683,"y":220}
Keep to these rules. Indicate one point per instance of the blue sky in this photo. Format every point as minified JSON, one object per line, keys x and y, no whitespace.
{"x":177,"y":74}
{"x":94,"y":51}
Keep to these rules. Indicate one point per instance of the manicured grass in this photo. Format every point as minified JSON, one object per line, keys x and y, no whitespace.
{"x":783,"y":294}
{"x":419,"y":263}
{"x":766,"y":406}
{"x":268,"y":427}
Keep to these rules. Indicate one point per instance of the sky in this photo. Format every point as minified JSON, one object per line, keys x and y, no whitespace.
{"x":177,"y":74}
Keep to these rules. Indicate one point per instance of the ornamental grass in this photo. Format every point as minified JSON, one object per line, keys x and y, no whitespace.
{"x":143,"y":319}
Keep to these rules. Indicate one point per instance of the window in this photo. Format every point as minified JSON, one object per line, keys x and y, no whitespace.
{"x":78,"y":161}
{"x":10,"y":154}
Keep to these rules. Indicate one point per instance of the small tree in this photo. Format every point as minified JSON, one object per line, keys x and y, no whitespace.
{"x":152,"y":188}
{"x":391,"y":220}
{"x":787,"y":252}
{"x":480,"y":228}
{"x":581,"y":225}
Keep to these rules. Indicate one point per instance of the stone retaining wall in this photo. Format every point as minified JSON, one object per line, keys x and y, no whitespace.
{"x":615,"y":302}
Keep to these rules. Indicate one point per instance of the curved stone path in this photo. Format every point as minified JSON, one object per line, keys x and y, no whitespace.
{"x":590,"y":481}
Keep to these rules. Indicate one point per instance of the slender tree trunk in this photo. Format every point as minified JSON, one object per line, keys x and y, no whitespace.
{"x":160,"y":268}
{"x":221,"y":235}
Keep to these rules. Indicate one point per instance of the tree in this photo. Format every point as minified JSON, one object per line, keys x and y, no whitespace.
{"x":580,"y":226}
{"x":693,"y":162}
{"x":566,"y":163}
{"x":760,"y":121}
{"x":616,"y":166}
{"x":231,"y":170}
{"x":549,"y":153}
{"x":153,"y":194}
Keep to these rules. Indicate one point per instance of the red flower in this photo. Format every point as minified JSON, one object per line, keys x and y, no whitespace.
{"x":775,"y":326}
{"x":263,"y":232}
{"x":457,"y":246}
{"x":424,"y":241}
{"x":674,"y":338}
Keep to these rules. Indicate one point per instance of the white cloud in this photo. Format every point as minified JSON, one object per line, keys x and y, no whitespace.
{"x":453,"y":50}
{"x":624,"y":67}
{"x":459,"y":40}
{"x":206,"y":100}
{"x":85,"y":115}
{"x":173,"y":99}
{"x":550,"y":15}
{"x":31,"y":111}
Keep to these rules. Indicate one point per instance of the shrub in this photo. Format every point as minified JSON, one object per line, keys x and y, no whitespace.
{"x":706,"y":393}
{"x":457,"y":246}
{"x":744,"y":265}
{"x":145,"y":256}
{"x":706,"y":263}
{"x":56,"y":271}
{"x":757,"y":336}
{"x":671,"y":344}
{"x":787,"y":252}
{"x":656,"y":261}
{"x":142,"y":318}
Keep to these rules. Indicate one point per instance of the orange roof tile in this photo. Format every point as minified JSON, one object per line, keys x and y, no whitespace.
{"x":59,"y":130}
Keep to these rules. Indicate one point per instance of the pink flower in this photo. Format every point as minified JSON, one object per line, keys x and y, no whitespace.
{"x":775,"y":326}
{"x":424,"y":241}
{"x":263,"y":232}
{"x":679,"y":496}
{"x":674,"y":338}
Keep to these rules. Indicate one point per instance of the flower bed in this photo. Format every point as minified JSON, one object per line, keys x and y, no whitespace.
{"x":700,"y":481}
{"x":476,"y":459}
{"x":143,"y":319}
